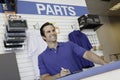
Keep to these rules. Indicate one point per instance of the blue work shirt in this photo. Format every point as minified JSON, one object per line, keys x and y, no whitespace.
{"x":81,"y":39}
{"x":65,"y":55}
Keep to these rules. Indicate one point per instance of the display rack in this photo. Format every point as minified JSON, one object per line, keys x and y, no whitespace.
{"x":15,"y":32}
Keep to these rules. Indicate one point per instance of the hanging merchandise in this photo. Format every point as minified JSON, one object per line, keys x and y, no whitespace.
{"x":17,"y":25}
{"x":15,"y":33}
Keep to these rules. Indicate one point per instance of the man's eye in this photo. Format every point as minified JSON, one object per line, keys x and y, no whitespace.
{"x":48,"y":31}
{"x":54,"y":30}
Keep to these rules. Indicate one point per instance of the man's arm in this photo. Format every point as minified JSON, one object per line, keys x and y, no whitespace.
{"x":49,"y":77}
{"x":62,"y":73}
{"x":94,"y":58}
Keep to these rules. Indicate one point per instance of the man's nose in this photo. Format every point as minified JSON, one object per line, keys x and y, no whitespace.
{"x":52,"y":32}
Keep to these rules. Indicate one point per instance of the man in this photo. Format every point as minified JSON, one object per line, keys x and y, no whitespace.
{"x":59,"y":59}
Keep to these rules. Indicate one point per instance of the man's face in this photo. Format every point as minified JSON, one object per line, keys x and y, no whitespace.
{"x":50,"y":34}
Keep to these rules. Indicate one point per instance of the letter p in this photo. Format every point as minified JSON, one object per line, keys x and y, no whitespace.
{"x":40,"y":7}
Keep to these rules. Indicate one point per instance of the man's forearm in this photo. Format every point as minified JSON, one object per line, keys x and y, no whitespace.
{"x":48,"y":77}
{"x":62,"y":73}
{"x":94,"y":58}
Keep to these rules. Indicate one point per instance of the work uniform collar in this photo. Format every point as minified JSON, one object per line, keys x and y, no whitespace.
{"x":59,"y":45}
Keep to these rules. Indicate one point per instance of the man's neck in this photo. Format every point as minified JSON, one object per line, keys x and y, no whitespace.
{"x":52,"y":44}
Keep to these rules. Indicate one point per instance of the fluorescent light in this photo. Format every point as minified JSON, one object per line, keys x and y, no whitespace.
{"x":115,"y":7}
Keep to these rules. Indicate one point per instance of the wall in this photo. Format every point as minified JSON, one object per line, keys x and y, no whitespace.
{"x":115,"y":22}
{"x":108,"y":35}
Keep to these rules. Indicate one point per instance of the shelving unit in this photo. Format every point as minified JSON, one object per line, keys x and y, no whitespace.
{"x":15,"y":33}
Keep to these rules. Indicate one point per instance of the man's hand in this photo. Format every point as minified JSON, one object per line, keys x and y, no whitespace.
{"x":64,"y":72}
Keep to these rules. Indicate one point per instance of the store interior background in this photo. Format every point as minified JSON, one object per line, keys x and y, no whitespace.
{"x":108,"y":33}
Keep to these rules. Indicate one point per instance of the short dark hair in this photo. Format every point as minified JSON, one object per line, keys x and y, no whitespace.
{"x":45,"y":24}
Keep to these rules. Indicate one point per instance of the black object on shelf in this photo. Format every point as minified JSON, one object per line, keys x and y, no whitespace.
{"x":7,"y":45}
{"x":21,"y":35}
{"x":89,"y":21}
{"x":15,"y":33}
{"x":17,"y":25}
{"x":14,"y":30}
{"x":15,"y":41}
